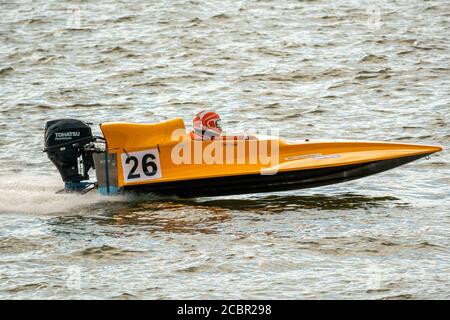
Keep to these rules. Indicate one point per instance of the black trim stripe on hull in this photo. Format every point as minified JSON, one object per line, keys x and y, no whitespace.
{"x":282,"y":181}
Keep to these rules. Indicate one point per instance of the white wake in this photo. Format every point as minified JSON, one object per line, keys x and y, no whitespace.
{"x":37,"y":195}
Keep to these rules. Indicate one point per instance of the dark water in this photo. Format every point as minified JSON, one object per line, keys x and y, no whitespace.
{"x":312,"y":69}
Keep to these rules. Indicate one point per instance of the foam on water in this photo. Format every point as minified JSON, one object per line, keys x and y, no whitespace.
{"x":36,"y":194}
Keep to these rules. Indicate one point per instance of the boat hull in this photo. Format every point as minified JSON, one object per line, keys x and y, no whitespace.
{"x":281,"y":181}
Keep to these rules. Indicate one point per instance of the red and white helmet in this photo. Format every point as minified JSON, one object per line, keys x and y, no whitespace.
{"x":207,"y":124}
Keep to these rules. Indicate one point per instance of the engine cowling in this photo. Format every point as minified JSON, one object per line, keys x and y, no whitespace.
{"x":65,"y":142}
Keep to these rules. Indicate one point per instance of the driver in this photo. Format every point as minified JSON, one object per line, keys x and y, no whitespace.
{"x":206,"y":126}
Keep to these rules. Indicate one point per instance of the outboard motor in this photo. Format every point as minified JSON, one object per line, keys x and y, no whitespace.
{"x":66,"y":144}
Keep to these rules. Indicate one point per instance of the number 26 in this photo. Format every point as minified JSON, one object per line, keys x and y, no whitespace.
{"x":147,"y":161}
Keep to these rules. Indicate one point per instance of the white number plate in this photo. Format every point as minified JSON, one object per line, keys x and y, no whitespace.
{"x":141,"y":166}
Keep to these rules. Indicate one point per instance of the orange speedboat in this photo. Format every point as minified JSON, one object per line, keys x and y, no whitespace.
{"x":163,"y":158}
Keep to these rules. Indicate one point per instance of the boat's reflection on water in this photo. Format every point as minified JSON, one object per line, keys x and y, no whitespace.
{"x":175,"y":215}
{"x":285,"y":203}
